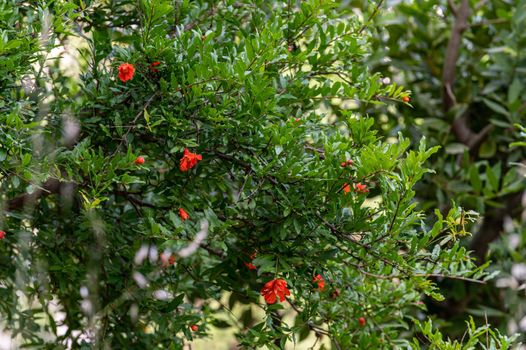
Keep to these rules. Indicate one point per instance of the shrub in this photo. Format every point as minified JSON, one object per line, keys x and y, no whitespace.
{"x":197,"y":155}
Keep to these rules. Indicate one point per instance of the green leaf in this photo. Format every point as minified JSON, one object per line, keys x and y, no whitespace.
{"x":496,"y":107}
{"x":456,"y":148}
{"x":492,"y":179}
{"x":514,"y":91}
{"x":474,"y":177}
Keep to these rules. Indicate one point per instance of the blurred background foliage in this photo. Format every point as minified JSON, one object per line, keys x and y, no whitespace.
{"x":465,"y":63}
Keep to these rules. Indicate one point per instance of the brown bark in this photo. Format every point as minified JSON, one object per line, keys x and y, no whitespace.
{"x":51,"y":186}
{"x":452,"y":52}
{"x":460,"y":126}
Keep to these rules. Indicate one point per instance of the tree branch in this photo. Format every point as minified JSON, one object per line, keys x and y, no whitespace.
{"x":460,"y":126}
{"x":371,"y":16}
{"x":453,"y":7}
{"x":134,"y":200}
{"x":452,"y":51}
{"x":51,"y":186}
{"x":321,"y":153}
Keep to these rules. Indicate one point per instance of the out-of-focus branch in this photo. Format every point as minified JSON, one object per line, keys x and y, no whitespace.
{"x":51,"y":186}
{"x":321,"y":153}
{"x":134,"y":200}
{"x":452,"y":51}
{"x":460,"y":126}
{"x":371,"y":16}
{"x":453,"y":7}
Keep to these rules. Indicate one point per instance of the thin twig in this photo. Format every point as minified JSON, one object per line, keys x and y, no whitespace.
{"x":371,"y":16}
{"x":395,"y":215}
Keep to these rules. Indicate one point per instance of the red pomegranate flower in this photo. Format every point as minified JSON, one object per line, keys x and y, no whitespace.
{"x":249,"y":264}
{"x":183,"y":214}
{"x":346,"y":188}
{"x":153,"y":65}
{"x":126,"y":72}
{"x":2,"y":234}
{"x":360,"y":188}
{"x":167,"y":260}
{"x":320,"y":281}
{"x":274,"y":289}
{"x":189,"y":160}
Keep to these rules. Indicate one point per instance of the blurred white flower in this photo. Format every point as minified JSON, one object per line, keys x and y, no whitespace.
{"x":519,"y":271}
{"x":162,"y":294}
{"x":154,"y":254}
{"x":140,"y":279}
{"x":141,"y":254}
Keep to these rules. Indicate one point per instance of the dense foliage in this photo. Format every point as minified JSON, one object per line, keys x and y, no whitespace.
{"x":195,"y":152}
{"x":478,"y":122}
